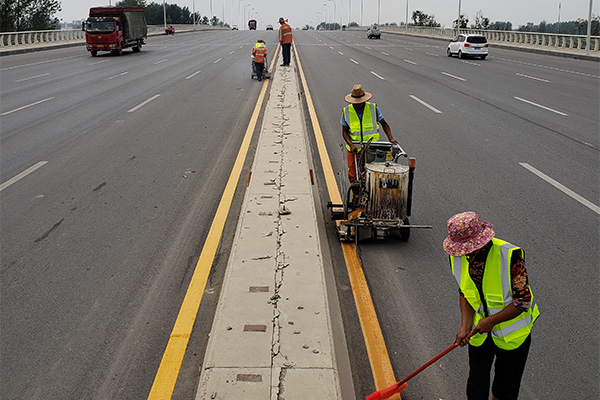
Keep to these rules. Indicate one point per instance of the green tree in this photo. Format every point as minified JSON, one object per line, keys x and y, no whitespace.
{"x":422,"y":19}
{"x":464,"y":22}
{"x":131,"y":3}
{"x":481,"y":22}
{"x":28,"y":15}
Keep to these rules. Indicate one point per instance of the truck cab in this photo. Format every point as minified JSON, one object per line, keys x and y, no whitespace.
{"x":115,"y":28}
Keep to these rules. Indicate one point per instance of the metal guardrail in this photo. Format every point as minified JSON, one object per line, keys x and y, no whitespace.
{"x":560,"y":41}
{"x":8,"y":39}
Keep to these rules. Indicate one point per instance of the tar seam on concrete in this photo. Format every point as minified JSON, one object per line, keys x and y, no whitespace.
{"x":274,"y":343}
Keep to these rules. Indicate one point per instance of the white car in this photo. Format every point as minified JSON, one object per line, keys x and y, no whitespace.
{"x":468,"y":46}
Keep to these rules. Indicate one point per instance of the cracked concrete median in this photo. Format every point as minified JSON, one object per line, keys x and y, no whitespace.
{"x":272,"y":333}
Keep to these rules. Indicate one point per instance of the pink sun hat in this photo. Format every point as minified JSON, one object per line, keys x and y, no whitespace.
{"x":467,"y":234}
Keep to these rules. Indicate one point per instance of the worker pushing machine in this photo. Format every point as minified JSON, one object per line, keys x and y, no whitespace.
{"x":260,"y":55}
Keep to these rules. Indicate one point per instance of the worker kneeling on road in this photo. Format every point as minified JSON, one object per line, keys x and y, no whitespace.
{"x":259,"y":53}
{"x":361,"y":121}
{"x":496,"y":306}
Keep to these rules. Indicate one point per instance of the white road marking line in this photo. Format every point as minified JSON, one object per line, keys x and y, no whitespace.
{"x":32,"y":77}
{"x":367,"y":47}
{"x":354,"y":61}
{"x":193,"y":75}
{"x":340,"y":53}
{"x":216,"y":61}
{"x":230,"y":53}
{"x":27,"y":106}
{"x":432,"y":54}
{"x":186,"y":53}
{"x":161,"y":61}
{"x":546,"y":67}
{"x":22,"y":175}
{"x":411,"y":62}
{"x":116,"y":76}
{"x":98,"y":62}
{"x":144,"y":103}
{"x":533,"y":77}
{"x":470,"y":63}
{"x":331,"y":47}
{"x":541,"y":106}
{"x":358,"y":44}
{"x":563,"y":188}
{"x":377,"y":75}
{"x":384,"y":53}
{"x":454,"y":76}
{"x":241,"y":47}
{"x":432,"y":108}
{"x":37,"y":63}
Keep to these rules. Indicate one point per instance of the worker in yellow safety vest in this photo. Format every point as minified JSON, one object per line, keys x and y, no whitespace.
{"x":285,"y":39}
{"x":361,"y":121}
{"x":496,"y":303}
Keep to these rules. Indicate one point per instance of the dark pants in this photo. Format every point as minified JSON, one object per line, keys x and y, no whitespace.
{"x":508,"y":370}
{"x":259,"y":70}
{"x":286,"y":49}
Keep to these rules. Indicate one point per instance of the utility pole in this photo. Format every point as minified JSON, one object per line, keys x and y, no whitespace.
{"x":589,"y":30}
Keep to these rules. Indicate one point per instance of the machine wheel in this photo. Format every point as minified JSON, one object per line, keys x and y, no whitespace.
{"x":405,"y":232}
{"x":94,"y":53}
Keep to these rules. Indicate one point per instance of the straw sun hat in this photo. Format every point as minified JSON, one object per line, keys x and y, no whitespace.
{"x":358,"y":95}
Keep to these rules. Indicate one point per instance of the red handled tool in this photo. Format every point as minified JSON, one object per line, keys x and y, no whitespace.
{"x":400,"y":386}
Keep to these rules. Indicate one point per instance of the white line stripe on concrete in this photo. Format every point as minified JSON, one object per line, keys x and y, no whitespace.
{"x":216,"y":61}
{"x":562,"y":188}
{"x":411,"y":62}
{"x":377,"y":75}
{"x":533,"y":77}
{"x":432,"y":108}
{"x":186,"y":53}
{"x":470,"y":63}
{"x":27,"y":106}
{"x":30,"y":78}
{"x":37,"y":63}
{"x":116,"y":76}
{"x":454,"y":76}
{"x":354,"y":61}
{"x":98,"y":62}
{"x":161,"y":61}
{"x":22,"y":175}
{"x":230,"y":53}
{"x":143,"y":103}
{"x":384,"y":53}
{"x":340,"y":53}
{"x":193,"y":75}
{"x":541,"y":106}
{"x":367,"y":47}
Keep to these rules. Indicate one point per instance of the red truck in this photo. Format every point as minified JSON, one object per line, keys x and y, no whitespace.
{"x":252,"y":25}
{"x":114,"y":29}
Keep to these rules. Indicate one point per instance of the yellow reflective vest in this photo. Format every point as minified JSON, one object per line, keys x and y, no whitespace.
{"x":497,"y":292}
{"x":361,"y":130}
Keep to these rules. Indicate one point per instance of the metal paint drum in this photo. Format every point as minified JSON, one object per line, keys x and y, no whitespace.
{"x":388,"y":190}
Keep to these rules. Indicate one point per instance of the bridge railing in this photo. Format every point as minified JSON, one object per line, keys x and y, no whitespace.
{"x":534,"y":39}
{"x":75,"y":35}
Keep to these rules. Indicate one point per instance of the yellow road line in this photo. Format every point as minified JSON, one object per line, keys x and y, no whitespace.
{"x":166,"y":377}
{"x":381,"y":366}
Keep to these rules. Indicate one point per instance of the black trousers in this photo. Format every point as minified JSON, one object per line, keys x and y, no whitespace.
{"x":286,"y":50}
{"x":259,"y":70}
{"x":508,"y":370}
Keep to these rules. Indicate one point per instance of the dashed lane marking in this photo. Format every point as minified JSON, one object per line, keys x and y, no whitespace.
{"x":432,"y":108}
{"x":22,"y":175}
{"x":541,"y":106}
{"x":27,"y":106}
{"x":144,"y":103}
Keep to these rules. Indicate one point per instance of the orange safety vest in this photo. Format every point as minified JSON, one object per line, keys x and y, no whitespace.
{"x":259,"y":54}
{"x":285,"y":34}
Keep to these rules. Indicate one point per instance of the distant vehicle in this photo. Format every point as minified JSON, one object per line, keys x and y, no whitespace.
{"x":252,"y":24}
{"x":269,"y":27}
{"x":114,"y":29}
{"x":465,"y":45}
{"x":373,"y":32}
{"x":234,"y":28}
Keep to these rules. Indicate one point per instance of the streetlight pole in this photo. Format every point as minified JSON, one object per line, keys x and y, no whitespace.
{"x":378,"y":11}
{"x":458,"y":20}
{"x":406,"y":21}
{"x":194,"y":13}
{"x":361,"y":11}
{"x":247,"y":5}
{"x":334,"y":9}
{"x":240,"y":13}
{"x":165,"y":14}
{"x":589,"y":30}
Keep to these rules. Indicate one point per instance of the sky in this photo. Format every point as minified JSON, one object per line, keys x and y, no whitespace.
{"x":302,"y":12}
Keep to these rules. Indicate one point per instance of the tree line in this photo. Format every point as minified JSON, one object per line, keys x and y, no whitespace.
{"x":40,"y":15}
{"x":578,"y":27}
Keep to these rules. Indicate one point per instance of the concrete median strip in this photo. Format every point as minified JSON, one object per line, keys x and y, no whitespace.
{"x":272,"y":332}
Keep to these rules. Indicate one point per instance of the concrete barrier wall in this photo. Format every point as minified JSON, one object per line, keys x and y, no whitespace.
{"x":513,"y":37}
{"x":8,"y":39}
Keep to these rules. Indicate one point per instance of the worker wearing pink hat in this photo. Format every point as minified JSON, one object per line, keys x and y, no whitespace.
{"x":496,"y":304}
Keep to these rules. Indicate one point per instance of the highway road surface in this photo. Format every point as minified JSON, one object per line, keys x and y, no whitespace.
{"x":111,"y":169}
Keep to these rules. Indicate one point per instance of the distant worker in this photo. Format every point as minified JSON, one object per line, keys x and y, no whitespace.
{"x":260,"y":54}
{"x":496,"y":306}
{"x":285,"y":38}
{"x":360,"y":122}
